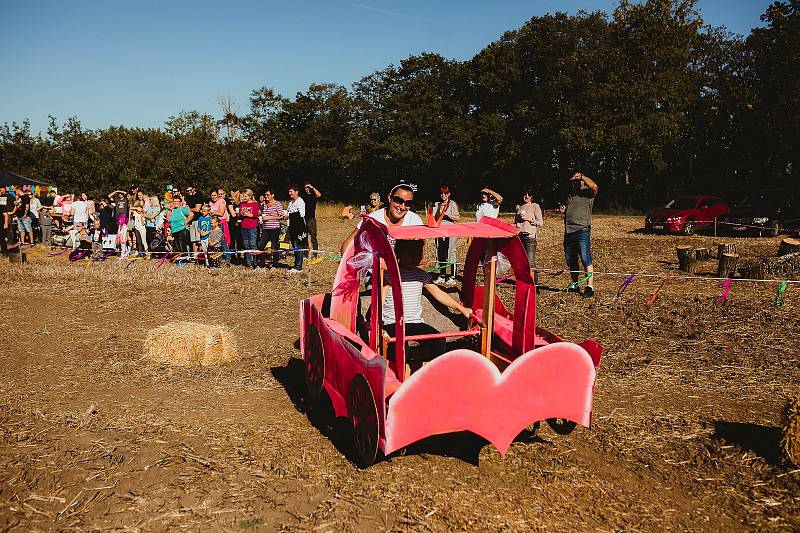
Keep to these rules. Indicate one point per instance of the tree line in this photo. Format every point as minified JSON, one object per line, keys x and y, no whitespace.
{"x":649,"y":100}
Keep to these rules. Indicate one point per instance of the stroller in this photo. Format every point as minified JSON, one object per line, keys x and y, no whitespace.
{"x":159,"y":244}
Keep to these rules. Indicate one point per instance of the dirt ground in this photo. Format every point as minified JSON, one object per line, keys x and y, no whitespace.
{"x":686,"y":414}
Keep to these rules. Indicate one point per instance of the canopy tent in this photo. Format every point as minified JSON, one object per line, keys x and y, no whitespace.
{"x":12,"y":178}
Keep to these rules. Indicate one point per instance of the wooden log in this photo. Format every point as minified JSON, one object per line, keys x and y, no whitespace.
{"x":790,"y":441}
{"x":725,"y":248}
{"x":727,"y":265}
{"x":702,"y":254}
{"x":755,"y":270}
{"x":686,"y":258}
{"x":15,"y":254}
{"x":788,"y":246}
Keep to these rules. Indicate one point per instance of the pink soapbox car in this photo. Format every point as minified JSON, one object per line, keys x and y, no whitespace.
{"x":504,"y":372}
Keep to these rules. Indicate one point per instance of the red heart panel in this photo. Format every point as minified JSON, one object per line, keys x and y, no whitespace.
{"x":464,"y":391}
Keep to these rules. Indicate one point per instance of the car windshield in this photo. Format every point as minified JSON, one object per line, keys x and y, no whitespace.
{"x":683,"y":202}
{"x":766,"y":198}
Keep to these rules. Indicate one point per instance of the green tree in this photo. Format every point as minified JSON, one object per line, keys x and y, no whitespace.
{"x":775,"y":55}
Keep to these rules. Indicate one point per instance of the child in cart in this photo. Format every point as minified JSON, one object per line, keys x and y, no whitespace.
{"x":413,"y":281}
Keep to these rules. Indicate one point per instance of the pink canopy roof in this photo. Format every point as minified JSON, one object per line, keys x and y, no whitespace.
{"x":488,"y":227}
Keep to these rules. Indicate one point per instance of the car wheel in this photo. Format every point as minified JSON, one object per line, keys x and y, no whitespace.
{"x":314,"y":362}
{"x":364,"y":416}
{"x":775,"y":228}
{"x":562,"y":426}
{"x":689,"y":227}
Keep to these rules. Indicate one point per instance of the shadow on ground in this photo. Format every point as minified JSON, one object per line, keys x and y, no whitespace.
{"x":462,"y":445}
{"x":761,"y":440}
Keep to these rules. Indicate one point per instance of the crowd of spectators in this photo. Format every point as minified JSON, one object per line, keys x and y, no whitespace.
{"x":240,"y":227}
{"x":211,"y":229}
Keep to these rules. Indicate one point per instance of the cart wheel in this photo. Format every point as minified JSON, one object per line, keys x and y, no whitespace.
{"x":364,"y":415}
{"x":315,"y":362}
{"x":562,"y":426}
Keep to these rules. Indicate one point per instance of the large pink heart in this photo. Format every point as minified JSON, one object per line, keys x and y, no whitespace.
{"x":462,"y":390}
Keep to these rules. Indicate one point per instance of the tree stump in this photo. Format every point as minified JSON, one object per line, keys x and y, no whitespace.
{"x":725,"y":248}
{"x":790,"y":443}
{"x":727,"y":265}
{"x":753,"y":270}
{"x":686,"y":258}
{"x":788,"y":246}
{"x":702,"y":254}
{"x":16,"y":255}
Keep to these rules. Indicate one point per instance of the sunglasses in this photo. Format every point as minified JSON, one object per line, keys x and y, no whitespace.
{"x":402,"y":201}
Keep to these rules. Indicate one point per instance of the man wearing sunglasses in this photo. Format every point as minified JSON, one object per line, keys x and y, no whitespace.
{"x":397,"y":213}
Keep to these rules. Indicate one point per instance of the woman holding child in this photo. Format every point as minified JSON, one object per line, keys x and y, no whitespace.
{"x":178,"y":216}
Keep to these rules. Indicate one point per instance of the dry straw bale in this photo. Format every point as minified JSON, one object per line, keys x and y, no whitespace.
{"x":190,"y":344}
{"x":791,"y":430}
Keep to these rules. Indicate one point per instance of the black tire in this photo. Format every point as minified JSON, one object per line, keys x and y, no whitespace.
{"x":364,"y":416}
{"x":314,"y":359}
{"x":689,"y":227}
{"x":562,"y":426}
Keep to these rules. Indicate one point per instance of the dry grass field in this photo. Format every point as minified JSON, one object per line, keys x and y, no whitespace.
{"x":95,"y":437}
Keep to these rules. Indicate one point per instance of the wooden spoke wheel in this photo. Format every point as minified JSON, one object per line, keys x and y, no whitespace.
{"x":562,"y":426}
{"x":315,"y":362}
{"x":364,"y":415}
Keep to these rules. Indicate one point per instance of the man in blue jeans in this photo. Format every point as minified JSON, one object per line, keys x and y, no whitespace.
{"x":578,"y":230}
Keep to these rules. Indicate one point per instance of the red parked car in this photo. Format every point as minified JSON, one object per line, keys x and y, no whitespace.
{"x":685,"y":214}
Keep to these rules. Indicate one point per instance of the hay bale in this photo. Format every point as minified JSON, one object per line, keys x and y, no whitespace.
{"x":190,"y":344}
{"x":790,"y":443}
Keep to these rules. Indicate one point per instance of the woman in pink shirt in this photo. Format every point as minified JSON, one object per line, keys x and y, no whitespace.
{"x":220,"y":208}
{"x":66,"y":207}
{"x":249,"y":212}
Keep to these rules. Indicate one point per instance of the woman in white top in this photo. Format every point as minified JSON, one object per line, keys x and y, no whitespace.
{"x":490,"y":204}
{"x":81,"y":209}
{"x":297,"y":230}
{"x":139,"y":230}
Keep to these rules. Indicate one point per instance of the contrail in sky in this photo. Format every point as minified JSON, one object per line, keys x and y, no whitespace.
{"x":385,"y":11}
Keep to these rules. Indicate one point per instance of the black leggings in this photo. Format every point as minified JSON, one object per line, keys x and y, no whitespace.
{"x":181,"y":243}
{"x":149,"y":233}
{"x":237,"y":243}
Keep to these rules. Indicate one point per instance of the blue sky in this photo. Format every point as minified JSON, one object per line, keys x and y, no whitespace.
{"x":135,"y":64}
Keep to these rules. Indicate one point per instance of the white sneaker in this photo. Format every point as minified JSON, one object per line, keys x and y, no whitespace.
{"x":440,"y":280}
{"x":294,"y":271}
